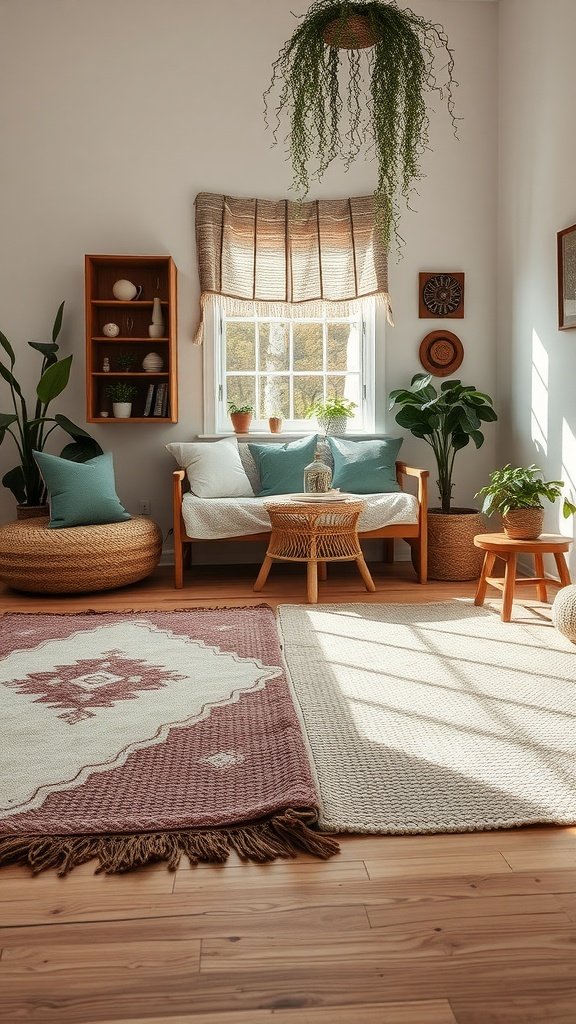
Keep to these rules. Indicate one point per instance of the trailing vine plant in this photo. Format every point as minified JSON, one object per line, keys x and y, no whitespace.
{"x":401,"y":55}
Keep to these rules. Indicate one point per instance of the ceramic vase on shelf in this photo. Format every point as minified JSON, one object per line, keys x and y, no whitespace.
{"x":152,"y":363}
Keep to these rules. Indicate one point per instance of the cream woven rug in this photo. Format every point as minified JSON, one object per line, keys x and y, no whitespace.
{"x":434,"y":717}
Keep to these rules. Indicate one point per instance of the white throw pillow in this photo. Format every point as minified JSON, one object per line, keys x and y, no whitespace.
{"x":214,"y":468}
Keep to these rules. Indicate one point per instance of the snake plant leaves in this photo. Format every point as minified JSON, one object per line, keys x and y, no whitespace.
{"x":57,"y":322}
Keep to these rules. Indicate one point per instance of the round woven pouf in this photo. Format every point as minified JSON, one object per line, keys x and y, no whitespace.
{"x":74,"y":559}
{"x":564,"y":612}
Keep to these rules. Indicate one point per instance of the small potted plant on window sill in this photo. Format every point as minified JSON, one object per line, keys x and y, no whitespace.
{"x":275,"y":423}
{"x":332,"y":414}
{"x":241,"y":417}
{"x":515,"y":492}
{"x":121,"y":393}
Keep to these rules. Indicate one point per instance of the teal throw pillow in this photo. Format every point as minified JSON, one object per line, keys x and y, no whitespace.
{"x":81,"y":493}
{"x":365,"y":467}
{"x":281,"y":466}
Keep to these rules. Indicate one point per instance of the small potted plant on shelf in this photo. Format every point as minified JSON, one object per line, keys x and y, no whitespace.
{"x":447,"y":420}
{"x":31,"y":428}
{"x":241,"y":417}
{"x":332,"y":414}
{"x":125,"y":361}
{"x":515,"y":493}
{"x":121,"y":393}
{"x":275,"y":424}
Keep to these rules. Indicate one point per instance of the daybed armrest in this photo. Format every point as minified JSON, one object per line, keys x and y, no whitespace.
{"x":421,"y":476}
{"x":178,"y":527}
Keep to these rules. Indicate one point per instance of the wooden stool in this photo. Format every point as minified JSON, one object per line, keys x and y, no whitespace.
{"x":498,"y":545}
{"x":314,"y":533}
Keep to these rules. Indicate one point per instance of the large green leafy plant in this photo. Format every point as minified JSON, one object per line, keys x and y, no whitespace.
{"x":30,"y":429}
{"x":447,"y":420}
{"x":406,"y":56}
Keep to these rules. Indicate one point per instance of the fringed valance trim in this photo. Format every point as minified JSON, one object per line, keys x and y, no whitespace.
{"x":315,"y":308}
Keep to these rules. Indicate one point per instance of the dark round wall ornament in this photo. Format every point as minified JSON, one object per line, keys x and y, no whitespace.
{"x":441,"y":353}
{"x":441,"y":295}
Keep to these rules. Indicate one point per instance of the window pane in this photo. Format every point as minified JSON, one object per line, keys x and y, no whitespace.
{"x":274,"y":347}
{"x":343,"y":347}
{"x":345,"y":386}
{"x":306,"y":391}
{"x":241,"y":390}
{"x":240,"y":346}
{"x":274,"y":397}
{"x":308,"y":352}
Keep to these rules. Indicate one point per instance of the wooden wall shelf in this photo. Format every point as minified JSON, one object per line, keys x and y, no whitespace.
{"x":158,"y":277}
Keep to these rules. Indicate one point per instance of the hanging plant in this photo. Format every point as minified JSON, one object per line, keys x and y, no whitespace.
{"x":396,"y":52}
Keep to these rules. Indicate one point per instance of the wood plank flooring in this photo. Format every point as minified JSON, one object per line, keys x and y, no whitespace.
{"x":458,"y":929}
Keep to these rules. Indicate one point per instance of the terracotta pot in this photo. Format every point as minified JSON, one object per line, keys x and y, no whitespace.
{"x":275,"y":424}
{"x":523,"y":523}
{"x":241,"y":422}
{"x":451,"y":551}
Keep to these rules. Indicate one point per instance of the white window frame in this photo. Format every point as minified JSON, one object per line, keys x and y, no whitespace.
{"x":216,"y":420}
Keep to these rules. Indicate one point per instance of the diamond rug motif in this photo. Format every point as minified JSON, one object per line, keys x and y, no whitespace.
{"x":135,"y":737}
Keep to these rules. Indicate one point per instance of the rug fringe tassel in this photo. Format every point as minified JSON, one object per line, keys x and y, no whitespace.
{"x":284,"y":835}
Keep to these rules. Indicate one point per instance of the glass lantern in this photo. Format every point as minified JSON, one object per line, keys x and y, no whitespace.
{"x":317,"y":476}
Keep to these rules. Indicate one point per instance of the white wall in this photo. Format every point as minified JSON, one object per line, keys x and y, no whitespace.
{"x":113,"y":115}
{"x":537,"y":362}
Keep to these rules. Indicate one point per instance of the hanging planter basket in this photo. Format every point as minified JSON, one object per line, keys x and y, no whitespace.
{"x":351,"y":33}
{"x":393,"y":58}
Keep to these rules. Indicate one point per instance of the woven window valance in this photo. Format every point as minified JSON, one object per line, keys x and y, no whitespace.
{"x":278,"y":257}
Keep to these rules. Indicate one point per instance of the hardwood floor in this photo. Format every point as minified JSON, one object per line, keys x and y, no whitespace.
{"x":455,"y":929}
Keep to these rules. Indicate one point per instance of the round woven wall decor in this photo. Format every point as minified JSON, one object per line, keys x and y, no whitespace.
{"x":441,"y":353}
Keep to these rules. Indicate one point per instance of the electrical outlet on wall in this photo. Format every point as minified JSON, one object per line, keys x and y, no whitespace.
{"x":145,"y":507}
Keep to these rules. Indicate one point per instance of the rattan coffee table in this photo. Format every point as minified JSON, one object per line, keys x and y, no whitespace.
{"x":315,"y":533}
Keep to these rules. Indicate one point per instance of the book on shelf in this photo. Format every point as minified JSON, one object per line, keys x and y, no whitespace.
{"x":160,"y":396}
{"x":149,"y":399}
{"x":165,"y":401}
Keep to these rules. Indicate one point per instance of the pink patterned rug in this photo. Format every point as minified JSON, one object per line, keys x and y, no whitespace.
{"x":136,"y":737}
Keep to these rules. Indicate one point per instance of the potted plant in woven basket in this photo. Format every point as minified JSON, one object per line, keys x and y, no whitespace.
{"x":332,"y":414}
{"x":402,"y":57}
{"x":515,"y":493}
{"x":447,"y":420}
{"x":31,"y":427}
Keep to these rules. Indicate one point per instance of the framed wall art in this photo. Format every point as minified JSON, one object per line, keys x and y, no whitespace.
{"x":441,"y":295}
{"x":567,"y":278}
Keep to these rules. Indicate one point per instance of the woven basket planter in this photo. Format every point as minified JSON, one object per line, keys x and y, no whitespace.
{"x":451,"y":551}
{"x":79,"y":558}
{"x":31,"y":511}
{"x":523,"y":523}
{"x":352,"y":33}
{"x":332,"y":425}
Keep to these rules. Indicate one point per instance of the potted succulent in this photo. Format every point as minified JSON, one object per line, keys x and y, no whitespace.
{"x":515,"y":493}
{"x":121,"y":393}
{"x":447,"y":420}
{"x":31,"y":428}
{"x":241,"y":417}
{"x":332,"y":414}
{"x":405,"y":56}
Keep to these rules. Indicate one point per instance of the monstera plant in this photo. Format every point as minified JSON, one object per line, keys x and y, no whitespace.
{"x":383,"y":111}
{"x":31,"y":428}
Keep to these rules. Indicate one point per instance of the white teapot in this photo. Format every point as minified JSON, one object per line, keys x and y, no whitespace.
{"x":125,"y":291}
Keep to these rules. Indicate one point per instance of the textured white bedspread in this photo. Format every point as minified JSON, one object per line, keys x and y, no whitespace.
{"x":217,"y":518}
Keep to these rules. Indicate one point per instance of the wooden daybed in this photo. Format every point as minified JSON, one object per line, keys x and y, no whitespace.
{"x":414,"y":533}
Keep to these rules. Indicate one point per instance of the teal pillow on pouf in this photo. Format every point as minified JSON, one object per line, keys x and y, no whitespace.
{"x":281,"y":466}
{"x":81,"y":493}
{"x":365,"y":467}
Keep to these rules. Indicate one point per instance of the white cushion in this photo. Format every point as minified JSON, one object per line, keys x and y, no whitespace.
{"x":214,"y":469}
